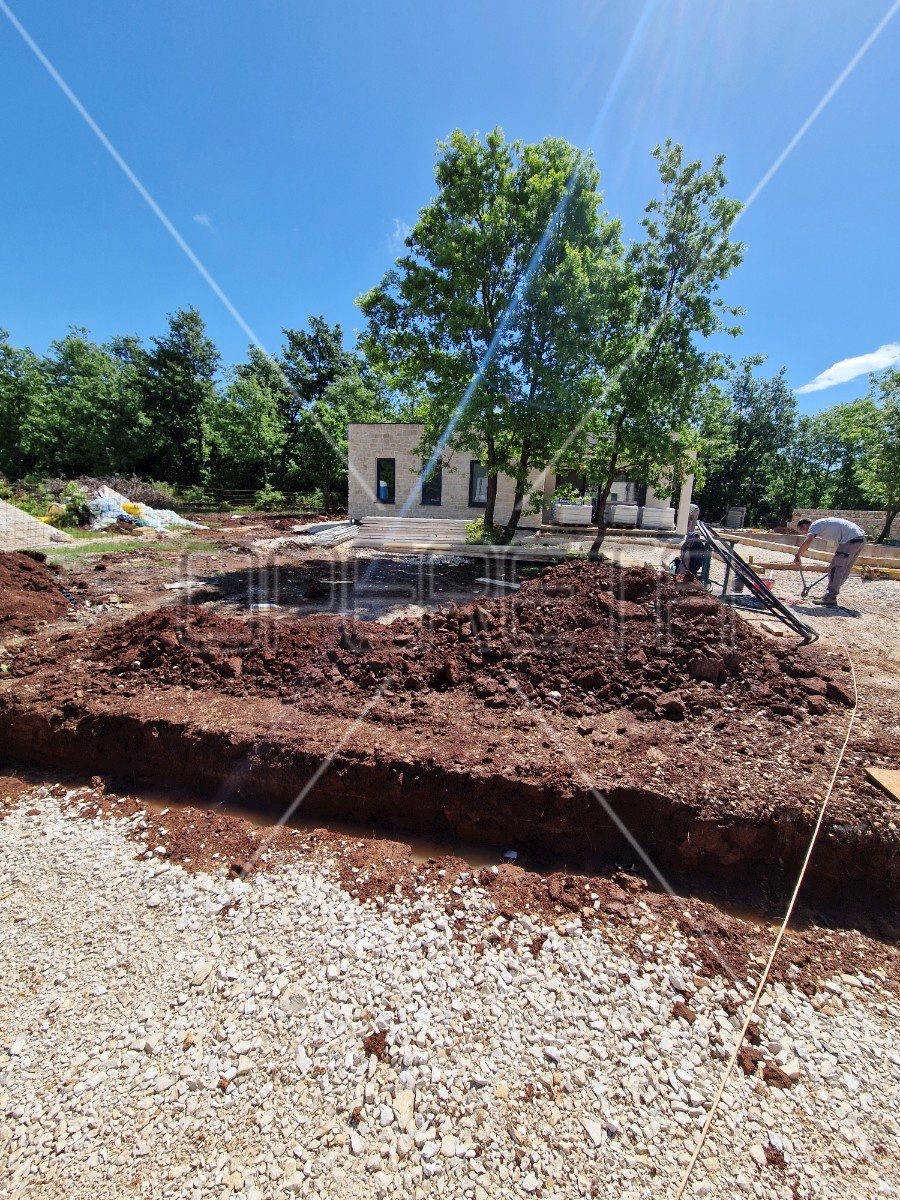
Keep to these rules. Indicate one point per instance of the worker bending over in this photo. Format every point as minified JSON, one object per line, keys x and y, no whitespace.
{"x":850,"y":539}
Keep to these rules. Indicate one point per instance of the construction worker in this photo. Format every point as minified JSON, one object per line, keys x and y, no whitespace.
{"x":850,"y":539}
{"x":694,"y":550}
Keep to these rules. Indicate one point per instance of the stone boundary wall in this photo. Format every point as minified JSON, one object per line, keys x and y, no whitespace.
{"x":867,"y":519}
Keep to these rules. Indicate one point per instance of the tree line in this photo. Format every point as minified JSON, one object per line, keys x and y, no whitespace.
{"x":169,"y":412}
{"x":518,"y":324}
{"x":759,"y":452}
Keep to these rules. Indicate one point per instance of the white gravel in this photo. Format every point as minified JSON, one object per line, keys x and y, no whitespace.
{"x":172,"y":1035}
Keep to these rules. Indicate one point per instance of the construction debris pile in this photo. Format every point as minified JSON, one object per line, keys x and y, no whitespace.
{"x":581,"y":638}
{"x":29,"y":592}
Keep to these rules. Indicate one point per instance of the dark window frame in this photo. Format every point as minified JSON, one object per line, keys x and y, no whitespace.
{"x":473,"y":503}
{"x":437,"y":477}
{"x":393,"y":486}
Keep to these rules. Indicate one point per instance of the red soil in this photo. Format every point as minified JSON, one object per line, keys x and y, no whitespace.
{"x":580,"y":638}
{"x":29,"y":593}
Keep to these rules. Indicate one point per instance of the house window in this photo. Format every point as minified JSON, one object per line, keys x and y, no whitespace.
{"x":477,"y":485}
{"x":431,"y":487}
{"x":385,"y":479}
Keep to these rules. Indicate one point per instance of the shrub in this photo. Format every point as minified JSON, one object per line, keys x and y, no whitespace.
{"x":477,"y":533}
{"x":76,"y":512}
{"x":268,"y":499}
{"x":193,"y":495}
{"x":140,"y":491}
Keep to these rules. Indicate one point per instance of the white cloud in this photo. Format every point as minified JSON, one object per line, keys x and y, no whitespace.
{"x":850,"y":368}
{"x":203,"y":219}
{"x":398,"y":236}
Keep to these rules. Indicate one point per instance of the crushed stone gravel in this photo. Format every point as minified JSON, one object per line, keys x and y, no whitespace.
{"x":171,"y":1034}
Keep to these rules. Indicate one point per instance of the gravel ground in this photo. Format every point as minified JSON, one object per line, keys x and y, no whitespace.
{"x":169,"y":1034}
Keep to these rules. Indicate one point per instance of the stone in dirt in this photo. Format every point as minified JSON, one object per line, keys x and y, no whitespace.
{"x":202,"y":972}
{"x":594,"y":1130}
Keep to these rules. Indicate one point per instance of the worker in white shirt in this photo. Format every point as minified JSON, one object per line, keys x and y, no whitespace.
{"x":850,"y":539}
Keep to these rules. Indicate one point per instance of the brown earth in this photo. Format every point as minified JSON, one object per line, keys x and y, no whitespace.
{"x":29,"y":592}
{"x":479,"y":748}
{"x":582,"y":638}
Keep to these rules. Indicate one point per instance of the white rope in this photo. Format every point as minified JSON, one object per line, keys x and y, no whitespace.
{"x":764,"y":978}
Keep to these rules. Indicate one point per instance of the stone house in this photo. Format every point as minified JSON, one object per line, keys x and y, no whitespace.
{"x":385,"y":480}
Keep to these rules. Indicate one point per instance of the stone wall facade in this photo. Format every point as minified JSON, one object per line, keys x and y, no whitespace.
{"x":871,"y":521}
{"x":400,"y":441}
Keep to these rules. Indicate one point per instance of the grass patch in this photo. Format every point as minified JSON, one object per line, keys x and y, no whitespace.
{"x":91,"y":544}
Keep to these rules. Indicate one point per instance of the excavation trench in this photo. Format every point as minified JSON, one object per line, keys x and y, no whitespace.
{"x":478,"y":815}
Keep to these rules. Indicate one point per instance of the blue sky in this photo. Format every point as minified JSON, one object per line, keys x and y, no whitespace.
{"x":288,"y":142}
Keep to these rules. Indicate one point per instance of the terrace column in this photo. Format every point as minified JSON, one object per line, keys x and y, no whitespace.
{"x":684,"y":504}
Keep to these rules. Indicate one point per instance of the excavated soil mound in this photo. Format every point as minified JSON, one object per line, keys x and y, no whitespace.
{"x":29,"y":593}
{"x":583,"y":638}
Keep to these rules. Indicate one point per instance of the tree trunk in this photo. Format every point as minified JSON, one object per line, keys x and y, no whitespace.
{"x":491,"y":498}
{"x":890,"y":513}
{"x":594,"y":552}
{"x":513,"y":523}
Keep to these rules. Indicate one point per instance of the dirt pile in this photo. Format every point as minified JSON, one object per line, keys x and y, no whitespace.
{"x":190,"y":646}
{"x":581,"y":638}
{"x":29,"y":593}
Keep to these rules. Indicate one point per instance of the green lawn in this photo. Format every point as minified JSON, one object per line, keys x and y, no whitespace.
{"x":87,"y":543}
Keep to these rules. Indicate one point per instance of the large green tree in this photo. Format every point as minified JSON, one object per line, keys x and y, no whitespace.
{"x":90,"y":419}
{"x":22,"y":395}
{"x":878,"y":467}
{"x":247,"y":430}
{"x":492,"y":313}
{"x":749,"y":442}
{"x":179,"y":397}
{"x":652,"y":372}
{"x":352,"y":397}
{"x":312,"y":361}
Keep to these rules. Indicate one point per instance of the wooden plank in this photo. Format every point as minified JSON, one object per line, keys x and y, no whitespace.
{"x":869,"y":557}
{"x":886,"y":779}
{"x":464,"y":550}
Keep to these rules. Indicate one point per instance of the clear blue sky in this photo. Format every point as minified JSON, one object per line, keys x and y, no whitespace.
{"x":287,"y":142}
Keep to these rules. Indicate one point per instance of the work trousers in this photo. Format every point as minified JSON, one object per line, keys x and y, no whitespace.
{"x":841,"y":566}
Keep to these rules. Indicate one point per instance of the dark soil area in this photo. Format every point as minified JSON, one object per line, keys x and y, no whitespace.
{"x":592,"y":702}
{"x":30,"y":594}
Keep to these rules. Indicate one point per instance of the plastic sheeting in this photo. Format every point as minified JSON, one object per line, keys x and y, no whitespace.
{"x":109,"y":507}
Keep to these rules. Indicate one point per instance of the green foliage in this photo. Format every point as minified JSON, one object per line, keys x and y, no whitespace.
{"x":269,"y":499}
{"x":567,"y":493}
{"x":652,"y":376}
{"x":194,"y":495}
{"x":757,"y":451}
{"x":491,"y":316}
{"x":180,"y":397}
{"x":101,"y":413}
{"x":748,"y":445}
{"x":76,"y":513}
{"x":877,"y":420}
{"x":478,"y":533}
